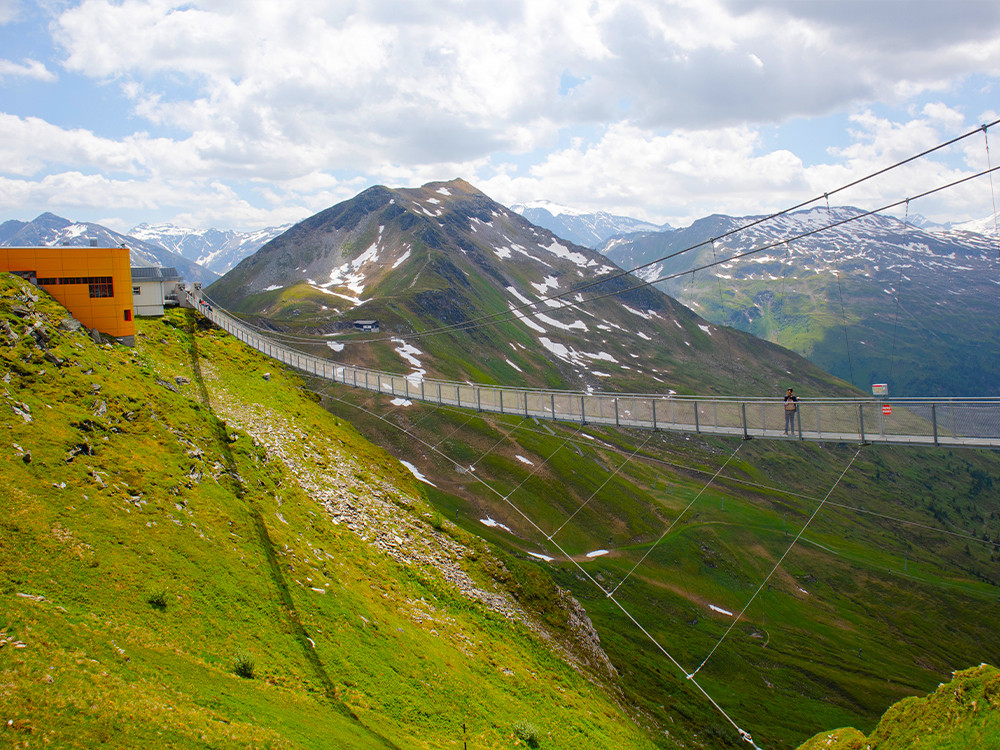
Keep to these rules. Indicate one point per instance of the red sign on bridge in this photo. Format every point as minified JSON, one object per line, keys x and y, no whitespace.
{"x":886,"y":409}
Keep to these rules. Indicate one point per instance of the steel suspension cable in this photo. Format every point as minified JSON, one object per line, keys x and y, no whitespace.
{"x":725,"y":333}
{"x":996,"y":231}
{"x":840,"y":292}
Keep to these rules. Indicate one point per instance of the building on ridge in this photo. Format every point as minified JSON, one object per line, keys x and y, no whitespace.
{"x":154,"y":288}
{"x":93,"y":283}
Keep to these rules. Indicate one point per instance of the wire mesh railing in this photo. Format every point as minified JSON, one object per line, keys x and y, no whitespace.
{"x":972,"y":422}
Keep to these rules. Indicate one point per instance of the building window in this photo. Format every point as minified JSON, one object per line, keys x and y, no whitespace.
{"x":136,"y":291}
{"x":128,"y":316}
{"x":100,"y":286}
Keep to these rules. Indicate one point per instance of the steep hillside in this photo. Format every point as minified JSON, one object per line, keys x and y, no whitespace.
{"x":875,"y":300}
{"x":962,"y":713}
{"x":432,"y":264}
{"x":892,"y":586}
{"x":194,"y":553}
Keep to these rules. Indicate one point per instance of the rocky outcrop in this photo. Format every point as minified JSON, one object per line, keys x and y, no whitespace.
{"x":386,"y":517}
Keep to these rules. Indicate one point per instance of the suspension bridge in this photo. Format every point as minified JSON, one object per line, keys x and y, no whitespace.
{"x":945,"y":422}
{"x":942,"y":422}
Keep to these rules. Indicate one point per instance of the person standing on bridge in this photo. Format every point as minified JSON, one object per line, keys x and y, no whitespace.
{"x":791,"y":406}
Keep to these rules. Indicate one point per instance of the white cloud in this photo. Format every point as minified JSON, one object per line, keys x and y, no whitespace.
{"x":660,"y":109}
{"x":635,"y":171}
{"x":9,"y":10}
{"x":27,"y":69}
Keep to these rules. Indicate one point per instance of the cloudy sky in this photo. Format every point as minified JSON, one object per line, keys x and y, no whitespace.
{"x":250,"y":113}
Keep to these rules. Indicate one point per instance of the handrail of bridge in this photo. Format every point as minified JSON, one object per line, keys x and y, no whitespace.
{"x":958,"y":422}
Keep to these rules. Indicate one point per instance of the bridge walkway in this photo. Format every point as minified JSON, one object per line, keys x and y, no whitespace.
{"x":947,"y":422}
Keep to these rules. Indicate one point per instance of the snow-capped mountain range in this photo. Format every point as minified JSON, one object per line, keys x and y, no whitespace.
{"x":873,"y":300}
{"x":218,"y":250}
{"x":49,"y":230}
{"x":585,"y":228}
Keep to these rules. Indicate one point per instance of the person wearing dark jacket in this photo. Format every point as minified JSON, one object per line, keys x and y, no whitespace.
{"x":791,"y":406}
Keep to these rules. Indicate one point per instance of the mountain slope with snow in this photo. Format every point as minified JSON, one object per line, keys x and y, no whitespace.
{"x":872,"y":300}
{"x":431,"y":263}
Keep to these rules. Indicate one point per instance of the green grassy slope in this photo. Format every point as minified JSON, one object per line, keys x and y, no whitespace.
{"x":962,"y":713}
{"x":149,"y":551}
{"x":893,"y":586}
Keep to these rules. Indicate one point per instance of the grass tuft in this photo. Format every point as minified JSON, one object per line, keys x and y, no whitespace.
{"x":157,"y":599}
{"x":244,"y":666}
{"x":525,"y":731}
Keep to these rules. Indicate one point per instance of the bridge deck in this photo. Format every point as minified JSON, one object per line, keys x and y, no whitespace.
{"x":920,"y":422}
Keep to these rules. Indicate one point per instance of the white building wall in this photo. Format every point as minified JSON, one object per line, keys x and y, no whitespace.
{"x":147,"y":297}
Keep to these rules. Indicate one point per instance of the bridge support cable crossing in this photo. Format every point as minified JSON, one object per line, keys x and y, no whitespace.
{"x":504,"y":437}
{"x":611,"y":476}
{"x":531,"y":473}
{"x":674,"y":522}
{"x":776,"y":565}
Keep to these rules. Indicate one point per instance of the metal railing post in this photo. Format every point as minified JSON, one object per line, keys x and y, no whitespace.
{"x":697,"y":426}
{"x":934,"y":421}
{"x":861,"y":421}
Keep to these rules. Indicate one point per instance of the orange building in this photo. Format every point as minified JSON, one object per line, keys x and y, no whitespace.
{"x":93,"y":283}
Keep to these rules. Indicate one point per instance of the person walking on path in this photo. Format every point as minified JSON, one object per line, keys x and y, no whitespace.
{"x":791,"y":406}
